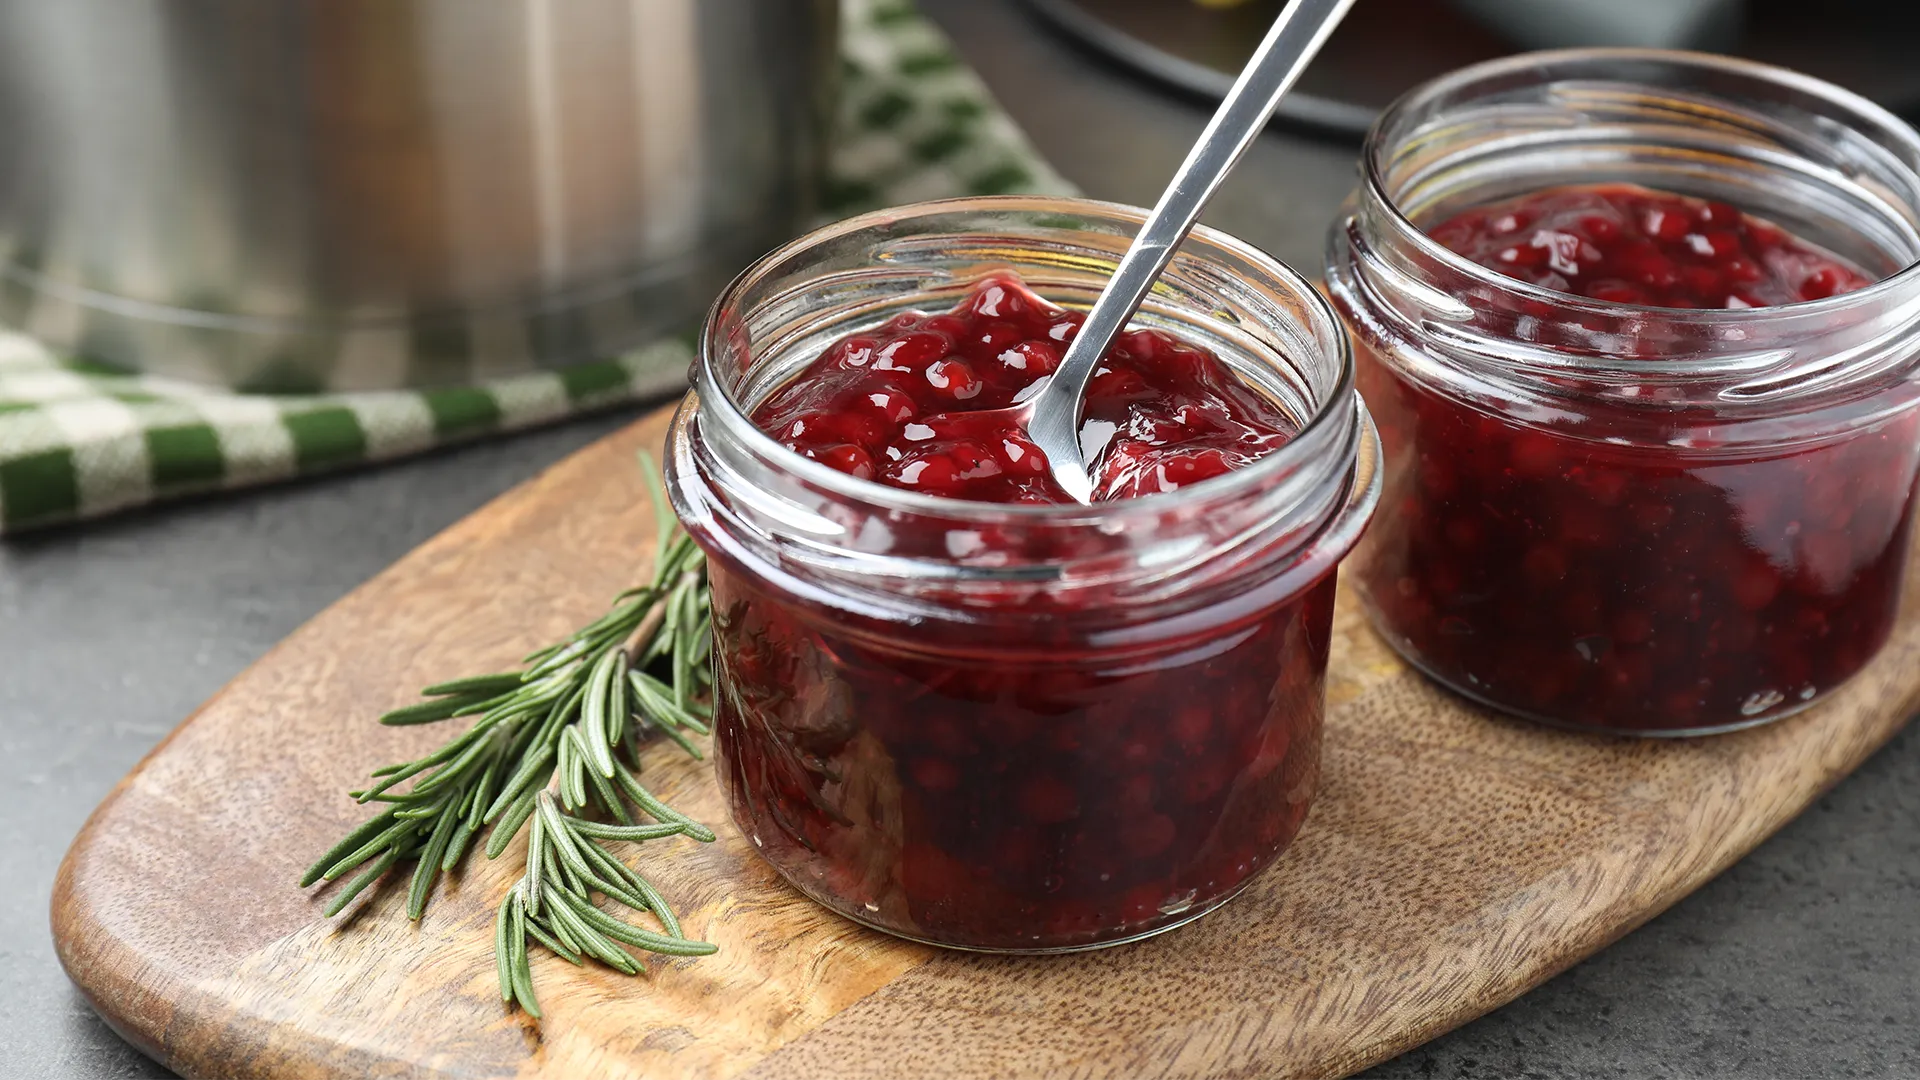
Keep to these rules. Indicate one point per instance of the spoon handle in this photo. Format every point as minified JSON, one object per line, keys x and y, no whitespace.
{"x":1289,"y":46}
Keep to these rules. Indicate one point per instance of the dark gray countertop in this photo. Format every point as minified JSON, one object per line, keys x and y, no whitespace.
{"x":1802,"y":960}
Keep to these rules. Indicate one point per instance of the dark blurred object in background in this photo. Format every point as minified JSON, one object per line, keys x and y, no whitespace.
{"x":358,"y":194}
{"x":1712,"y":25}
{"x":1387,"y":47}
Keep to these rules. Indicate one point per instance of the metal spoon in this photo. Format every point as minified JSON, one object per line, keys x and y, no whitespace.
{"x":1053,"y":417}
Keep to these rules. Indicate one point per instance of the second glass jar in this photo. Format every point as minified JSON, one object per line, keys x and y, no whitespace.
{"x":1626,"y":518}
{"x":1006,"y":727}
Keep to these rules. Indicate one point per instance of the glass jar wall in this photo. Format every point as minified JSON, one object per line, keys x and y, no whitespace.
{"x":1617,"y":516}
{"x":1013,"y":727}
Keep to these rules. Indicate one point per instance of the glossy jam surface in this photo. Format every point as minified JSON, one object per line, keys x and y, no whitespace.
{"x":1629,"y":245}
{"x":1018,"y":779}
{"x":1558,"y":570}
{"x":923,"y":402}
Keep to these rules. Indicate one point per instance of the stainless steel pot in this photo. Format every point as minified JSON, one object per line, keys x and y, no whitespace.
{"x":297,"y":194}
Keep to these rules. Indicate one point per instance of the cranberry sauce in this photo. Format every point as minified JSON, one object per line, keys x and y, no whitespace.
{"x":919,"y":403}
{"x":1035,"y":796}
{"x":1021,"y":777}
{"x":1561,"y":572}
{"x":1629,"y":245}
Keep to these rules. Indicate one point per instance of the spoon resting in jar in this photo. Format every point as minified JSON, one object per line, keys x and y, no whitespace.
{"x":1053,"y":414}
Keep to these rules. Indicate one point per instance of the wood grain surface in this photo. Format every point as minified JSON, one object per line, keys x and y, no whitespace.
{"x":1452,"y":861}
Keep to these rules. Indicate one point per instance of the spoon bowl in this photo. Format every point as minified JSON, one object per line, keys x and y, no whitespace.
{"x":1051,"y":416}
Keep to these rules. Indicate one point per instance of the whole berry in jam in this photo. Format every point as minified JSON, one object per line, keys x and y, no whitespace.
{"x":924,"y":402}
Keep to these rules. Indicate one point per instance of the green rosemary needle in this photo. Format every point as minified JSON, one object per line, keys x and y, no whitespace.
{"x":544,"y":752}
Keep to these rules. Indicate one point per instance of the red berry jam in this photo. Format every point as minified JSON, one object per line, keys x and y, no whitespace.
{"x":1557,"y":569}
{"x":1043,"y":795}
{"x":923,"y":402}
{"x":1629,"y":245}
{"x":1049,"y":772}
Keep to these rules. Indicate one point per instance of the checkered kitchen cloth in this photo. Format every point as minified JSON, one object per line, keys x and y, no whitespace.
{"x":78,"y":441}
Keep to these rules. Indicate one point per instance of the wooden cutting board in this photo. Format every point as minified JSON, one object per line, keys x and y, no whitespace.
{"x":1453,"y":860}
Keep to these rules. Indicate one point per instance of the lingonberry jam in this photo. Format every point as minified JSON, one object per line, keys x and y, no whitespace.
{"x":1041,"y":795}
{"x":1552,"y":572}
{"x":923,"y":402}
{"x":1671,"y":495}
{"x":997,"y":719}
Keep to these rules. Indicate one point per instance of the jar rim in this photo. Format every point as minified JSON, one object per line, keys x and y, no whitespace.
{"x":1336,"y":407}
{"x":1375,"y":149}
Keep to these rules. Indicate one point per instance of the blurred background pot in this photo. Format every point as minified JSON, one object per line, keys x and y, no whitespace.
{"x":358,"y":194}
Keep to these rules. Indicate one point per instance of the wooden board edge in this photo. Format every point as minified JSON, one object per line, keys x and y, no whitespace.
{"x":1627,"y":920}
{"x":104,"y":969}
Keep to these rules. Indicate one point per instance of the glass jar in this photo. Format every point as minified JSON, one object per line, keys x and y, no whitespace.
{"x":1641,"y":520}
{"x":1018,"y":728}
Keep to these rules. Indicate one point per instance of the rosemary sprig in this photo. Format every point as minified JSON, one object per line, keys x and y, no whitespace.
{"x":557,"y":744}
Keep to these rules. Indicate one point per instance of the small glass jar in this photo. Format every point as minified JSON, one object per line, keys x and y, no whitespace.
{"x":1019,"y":728}
{"x":1633,"y":519}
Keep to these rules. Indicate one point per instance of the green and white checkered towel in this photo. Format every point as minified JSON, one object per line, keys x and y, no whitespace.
{"x":78,"y":441}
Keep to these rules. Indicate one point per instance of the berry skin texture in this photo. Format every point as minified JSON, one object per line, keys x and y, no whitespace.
{"x":1631,"y":245}
{"x":917,"y":402}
